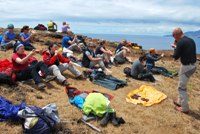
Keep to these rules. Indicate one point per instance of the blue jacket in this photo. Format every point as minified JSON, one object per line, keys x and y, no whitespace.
{"x":150,"y":60}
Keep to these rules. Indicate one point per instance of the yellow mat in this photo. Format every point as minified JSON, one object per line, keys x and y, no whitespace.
{"x":145,"y":95}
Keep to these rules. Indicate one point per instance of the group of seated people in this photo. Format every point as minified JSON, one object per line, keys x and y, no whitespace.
{"x":26,"y":66}
{"x":53,"y":27}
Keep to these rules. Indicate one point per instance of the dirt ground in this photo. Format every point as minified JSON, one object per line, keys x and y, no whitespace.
{"x":157,"y":119}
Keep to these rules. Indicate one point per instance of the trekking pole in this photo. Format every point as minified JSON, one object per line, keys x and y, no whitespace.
{"x":90,"y":125}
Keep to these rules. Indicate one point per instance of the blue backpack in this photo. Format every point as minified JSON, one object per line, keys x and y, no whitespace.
{"x":44,"y":125}
{"x":8,"y":110}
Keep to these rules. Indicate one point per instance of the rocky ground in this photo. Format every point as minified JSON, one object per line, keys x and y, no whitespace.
{"x":159,"y":118}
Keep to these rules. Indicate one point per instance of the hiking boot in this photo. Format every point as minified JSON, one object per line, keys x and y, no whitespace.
{"x":41,"y":86}
{"x":114,"y":119}
{"x":106,"y":119}
{"x":80,"y":77}
{"x":65,"y":83}
{"x":181,"y":110}
{"x":49,"y":78}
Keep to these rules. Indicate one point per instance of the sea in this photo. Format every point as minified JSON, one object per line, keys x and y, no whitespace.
{"x":146,"y":41}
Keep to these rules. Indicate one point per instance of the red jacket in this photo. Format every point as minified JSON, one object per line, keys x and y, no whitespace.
{"x":50,"y":59}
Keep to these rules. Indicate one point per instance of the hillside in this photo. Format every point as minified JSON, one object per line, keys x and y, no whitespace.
{"x":157,"y":119}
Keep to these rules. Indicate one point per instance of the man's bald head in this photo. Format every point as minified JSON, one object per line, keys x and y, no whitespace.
{"x":177,"y":33}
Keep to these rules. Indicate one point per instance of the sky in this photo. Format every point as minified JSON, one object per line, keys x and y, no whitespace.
{"x":137,"y":17}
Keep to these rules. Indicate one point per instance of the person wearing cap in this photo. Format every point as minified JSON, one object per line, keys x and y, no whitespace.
{"x":25,"y":66}
{"x":121,"y":53}
{"x":105,"y":53}
{"x":185,"y":49}
{"x":52,"y":26}
{"x":8,"y":40}
{"x":89,"y":59}
{"x":151,"y":58}
{"x":69,"y":42}
{"x":139,"y":72}
{"x":58,"y":64}
{"x":25,"y":38}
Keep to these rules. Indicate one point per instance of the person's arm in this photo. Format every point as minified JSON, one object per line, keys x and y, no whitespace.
{"x":105,"y":50}
{"x":94,"y":59}
{"x":73,"y":41}
{"x":49,"y":60}
{"x":63,"y":59}
{"x":126,"y":48}
{"x":25,"y":59}
{"x":177,"y":52}
{"x":154,"y":58}
{"x":24,"y":40}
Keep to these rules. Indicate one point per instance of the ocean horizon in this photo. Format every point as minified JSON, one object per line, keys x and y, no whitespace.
{"x":146,"y":41}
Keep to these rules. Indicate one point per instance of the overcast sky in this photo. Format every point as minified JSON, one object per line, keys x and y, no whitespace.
{"x":139,"y":17}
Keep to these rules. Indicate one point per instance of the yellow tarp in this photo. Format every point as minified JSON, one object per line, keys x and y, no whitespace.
{"x":145,"y":95}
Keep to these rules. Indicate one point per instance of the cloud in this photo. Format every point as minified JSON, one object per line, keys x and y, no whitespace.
{"x":141,"y":16}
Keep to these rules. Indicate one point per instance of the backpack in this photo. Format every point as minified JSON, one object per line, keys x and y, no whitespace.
{"x":127,"y":71}
{"x":6,"y":73}
{"x":40,"y":27}
{"x":47,"y":119}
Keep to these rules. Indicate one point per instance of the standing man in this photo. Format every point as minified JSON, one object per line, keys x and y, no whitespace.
{"x":185,"y":49}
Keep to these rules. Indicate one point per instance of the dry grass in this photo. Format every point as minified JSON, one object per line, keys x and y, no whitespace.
{"x":159,"y":118}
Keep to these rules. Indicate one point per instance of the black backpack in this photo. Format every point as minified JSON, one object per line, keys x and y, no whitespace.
{"x":127,"y":71}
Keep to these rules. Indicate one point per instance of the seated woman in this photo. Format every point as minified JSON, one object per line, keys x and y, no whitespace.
{"x":54,"y":60}
{"x":8,"y":40}
{"x":89,"y":59}
{"x":25,"y":66}
{"x":138,"y":72}
{"x":150,"y":63}
{"x":25,"y":38}
{"x":121,"y":53}
{"x":103,"y":52}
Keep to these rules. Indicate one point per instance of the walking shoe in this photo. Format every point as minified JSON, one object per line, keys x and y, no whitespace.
{"x":181,"y":110}
{"x":106,"y":119}
{"x":41,"y":86}
{"x":65,"y":83}
{"x":114,"y":119}
{"x":49,"y":78}
{"x":80,"y":77}
{"x":176,"y":103}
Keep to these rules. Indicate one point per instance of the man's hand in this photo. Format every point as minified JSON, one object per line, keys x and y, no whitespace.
{"x":162,"y":55}
{"x":173,"y":45}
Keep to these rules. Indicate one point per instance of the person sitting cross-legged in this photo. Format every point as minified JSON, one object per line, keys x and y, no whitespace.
{"x":89,"y":59}
{"x":25,"y":66}
{"x":58,"y":64}
{"x":139,"y":72}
